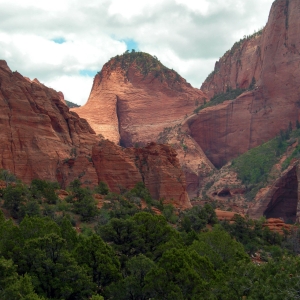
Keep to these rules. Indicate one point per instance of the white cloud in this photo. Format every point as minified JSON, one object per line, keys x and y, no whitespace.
{"x":186,"y":35}
{"x":69,"y":84}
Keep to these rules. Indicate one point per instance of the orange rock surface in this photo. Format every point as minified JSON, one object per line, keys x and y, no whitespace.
{"x":38,"y":132}
{"x":163,"y":177}
{"x":233,"y":127}
{"x":135,"y":97}
{"x":114,"y":166}
{"x":277,"y":225}
{"x":225,"y":215}
{"x":193,"y":161}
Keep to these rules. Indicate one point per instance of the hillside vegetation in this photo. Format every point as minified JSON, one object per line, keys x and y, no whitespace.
{"x":230,"y":94}
{"x":71,"y":104}
{"x":146,"y":64}
{"x":124,"y":251}
{"x":254,"y":166}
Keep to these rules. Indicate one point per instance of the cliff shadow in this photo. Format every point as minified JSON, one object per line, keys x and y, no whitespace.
{"x":284,"y":199}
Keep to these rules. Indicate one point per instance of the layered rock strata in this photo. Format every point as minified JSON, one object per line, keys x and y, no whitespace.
{"x":155,"y":165}
{"x":135,"y":97}
{"x":38,"y":132}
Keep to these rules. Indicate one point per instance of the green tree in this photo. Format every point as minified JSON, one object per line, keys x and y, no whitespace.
{"x":133,"y":286}
{"x":7,"y":177}
{"x":100,"y":260}
{"x":219,"y":247}
{"x":102,"y":188}
{"x":122,"y":234}
{"x":153,"y":231}
{"x":13,"y":286}
{"x":42,"y":188}
{"x":197,"y":218}
{"x":55,"y":273}
{"x":15,"y":198}
{"x":86,"y":208}
{"x":181,"y":274}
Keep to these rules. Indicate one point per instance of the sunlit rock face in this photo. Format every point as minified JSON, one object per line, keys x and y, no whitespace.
{"x":38,"y":133}
{"x":135,"y":97}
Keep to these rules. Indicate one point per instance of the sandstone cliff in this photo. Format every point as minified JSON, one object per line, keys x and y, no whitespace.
{"x":135,"y":97}
{"x":38,"y":132}
{"x":271,"y":59}
{"x":41,"y":138}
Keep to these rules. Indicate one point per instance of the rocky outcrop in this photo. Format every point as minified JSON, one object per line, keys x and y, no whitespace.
{"x":272,"y":59}
{"x":163,"y":177}
{"x":135,"y":97}
{"x":223,"y":215}
{"x":114,"y":166}
{"x":38,"y":132}
{"x":155,"y":165}
{"x":192,"y":159}
{"x":277,"y":225}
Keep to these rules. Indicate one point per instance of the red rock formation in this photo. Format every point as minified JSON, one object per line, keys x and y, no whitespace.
{"x":38,"y":132}
{"x":155,"y":165}
{"x":41,"y":138}
{"x":192,"y":159}
{"x":135,"y":97}
{"x":233,"y":127}
{"x":114,"y":166}
{"x":277,"y":225}
{"x":226,"y":215}
{"x":163,"y":177}
{"x":62,"y":97}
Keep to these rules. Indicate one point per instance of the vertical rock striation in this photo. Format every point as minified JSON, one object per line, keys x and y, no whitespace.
{"x":267,"y":63}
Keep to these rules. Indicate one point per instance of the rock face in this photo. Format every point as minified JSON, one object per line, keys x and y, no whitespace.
{"x":41,"y":138}
{"x":163,"y":177}
{"x":114,"y":166}
{"x":155,"y":165}
{"x":135,"y":97}
{"x":272,"y":59}
{"x":38,"y":132}
{"x":193,"y":161}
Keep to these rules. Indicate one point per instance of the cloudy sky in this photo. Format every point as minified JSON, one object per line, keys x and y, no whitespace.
{"x":65,"y":43}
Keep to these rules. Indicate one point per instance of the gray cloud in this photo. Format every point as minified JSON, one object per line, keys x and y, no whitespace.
{"x":181,"y":36}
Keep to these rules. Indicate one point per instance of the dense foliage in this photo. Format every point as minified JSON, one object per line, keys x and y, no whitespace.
{"x":126,"y":252}
{"x":71,"y":104}
{"x":230,"y":94}
{"x":254,"y":166}
{"x":146,"y":64}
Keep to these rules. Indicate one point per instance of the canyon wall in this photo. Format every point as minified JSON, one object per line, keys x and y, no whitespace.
{"x":271,"y":58}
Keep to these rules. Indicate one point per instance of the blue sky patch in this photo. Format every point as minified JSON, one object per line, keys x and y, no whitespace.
{"x":89,"y":73}
{"x":59,"y":40}
{"x":131,"y":44}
